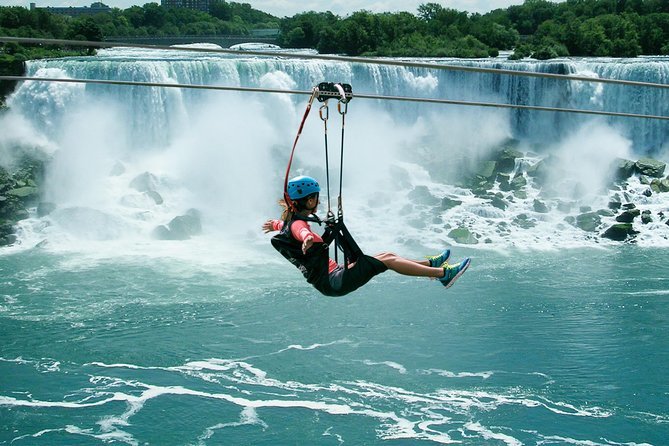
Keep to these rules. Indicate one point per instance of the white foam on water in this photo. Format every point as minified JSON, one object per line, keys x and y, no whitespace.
{"x":248,"y":417}
{"x":449,"y":374}
{"x":488,"y":434}
{"x":432,"y":416}
{"x":393,"y":365}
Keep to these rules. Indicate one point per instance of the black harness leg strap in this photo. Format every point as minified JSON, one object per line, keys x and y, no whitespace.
{"x":339,"y":233}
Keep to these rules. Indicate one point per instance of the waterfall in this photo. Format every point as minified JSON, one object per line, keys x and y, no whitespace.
{"x":216,"y":151}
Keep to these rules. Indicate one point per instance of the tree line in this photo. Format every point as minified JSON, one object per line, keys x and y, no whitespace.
{"x":537,"y":28}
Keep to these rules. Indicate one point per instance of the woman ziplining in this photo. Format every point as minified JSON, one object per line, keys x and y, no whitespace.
{"x":309,"y":252}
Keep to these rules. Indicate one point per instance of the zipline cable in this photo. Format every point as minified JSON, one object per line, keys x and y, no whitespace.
{"x":336,"y":58}
{"x":358,"y":95}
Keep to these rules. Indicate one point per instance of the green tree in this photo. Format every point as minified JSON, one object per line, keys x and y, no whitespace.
{"x":593,"y":40}
{"x":85,"y":29}
{"x":221,"y":10}
{"x":154,"y":15}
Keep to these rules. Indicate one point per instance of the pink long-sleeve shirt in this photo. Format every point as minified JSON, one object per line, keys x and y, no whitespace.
{"x":300,"y":229}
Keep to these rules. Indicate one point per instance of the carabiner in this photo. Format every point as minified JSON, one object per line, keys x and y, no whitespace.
{"x":327,"y":111}
{"x":339,"y":107}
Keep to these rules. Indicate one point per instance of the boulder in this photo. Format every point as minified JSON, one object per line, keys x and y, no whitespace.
{"x":518,"y":182}
{"x":615,"y":203}
{"x":506,"y":160}
{"x":650,"y":167}
{"x":623,"y":169}
{"x":24,"y":192}
{"x":184,"y":226}
{"x":161,"y":233}
{"x":499,"y":203}
{"x":155,"y":196}
{"x":463,"y":236}
{"x":448,"y":203}
{"x":181,"y":227}
{"x":144,"y":182}
{"x":658,"y":185}
{"x":588,"y":221}
{"x":45,"y":208}
{"x":487,"y":170}
{"x":422,"y":195}
{"x":628,"y":216}
{"x":540,"y":207}
{"x":646,"y":217}
{"x":524,"y":221}
{"x":620,"y":232}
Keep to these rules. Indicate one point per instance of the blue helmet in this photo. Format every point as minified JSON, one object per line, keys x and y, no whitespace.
{"x":302,"y":186}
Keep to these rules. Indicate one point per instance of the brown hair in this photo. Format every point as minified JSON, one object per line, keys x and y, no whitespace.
{"x":286,"y":214}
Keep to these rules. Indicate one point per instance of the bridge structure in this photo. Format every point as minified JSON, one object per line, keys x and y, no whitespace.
{"x":224,"y":41}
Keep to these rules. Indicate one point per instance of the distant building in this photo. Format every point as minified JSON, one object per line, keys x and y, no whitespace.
{"x":202,"y":5}
{"x":75,"y":11}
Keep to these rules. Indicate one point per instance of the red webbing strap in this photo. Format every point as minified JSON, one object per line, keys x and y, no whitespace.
{"x":287,"y":199}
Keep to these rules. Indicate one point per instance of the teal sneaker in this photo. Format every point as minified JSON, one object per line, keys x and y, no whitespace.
{"x":453,"y":272}
{"x":437,"y":261}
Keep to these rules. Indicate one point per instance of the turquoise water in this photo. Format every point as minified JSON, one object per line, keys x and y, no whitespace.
{"x":549,"y":348}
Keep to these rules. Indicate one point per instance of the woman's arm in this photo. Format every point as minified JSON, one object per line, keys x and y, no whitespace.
{"x":272,"y":225}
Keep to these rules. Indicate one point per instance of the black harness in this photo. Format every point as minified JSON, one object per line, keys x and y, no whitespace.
{"x":314,"y":264}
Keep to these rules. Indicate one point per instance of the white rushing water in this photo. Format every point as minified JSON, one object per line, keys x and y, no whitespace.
{"x":224,"y":154}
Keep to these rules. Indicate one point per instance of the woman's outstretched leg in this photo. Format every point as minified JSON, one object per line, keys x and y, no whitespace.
{"x":408,"y":267}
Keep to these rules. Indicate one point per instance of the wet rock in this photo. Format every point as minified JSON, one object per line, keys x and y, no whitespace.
{"x":448,"y":203}
{"x":422,"y":195}
{"x":659,"y":185}
{"x":463,"y":236}
{"x":620,"y":232}
{"x":623,"y":168}
{"x":24,"y":192}
{"x":506,"y":160}
{"x":521,"y":194}
{"x":588,"y":221}
{"x":518,"y":182}
{"x":615,"y":202}
{"x":155,"y":196}
{"x":181,"y":227}
{"x":161,"y":233}
{"x":650,"y":167}
{"x":646,"y":217}
{"x":499,"y":203}
{"x":44,"y":208}
{"x":647,"y":193}
{"x":186,"y":225}
{"x":629,"y":206}
{"x":487,"y":170}
{"x":628,"y":216}
{"x":144,"y":182}
{"x":524,"y":221}
{"x":540,"y":207}
{"x":643,"y":179}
